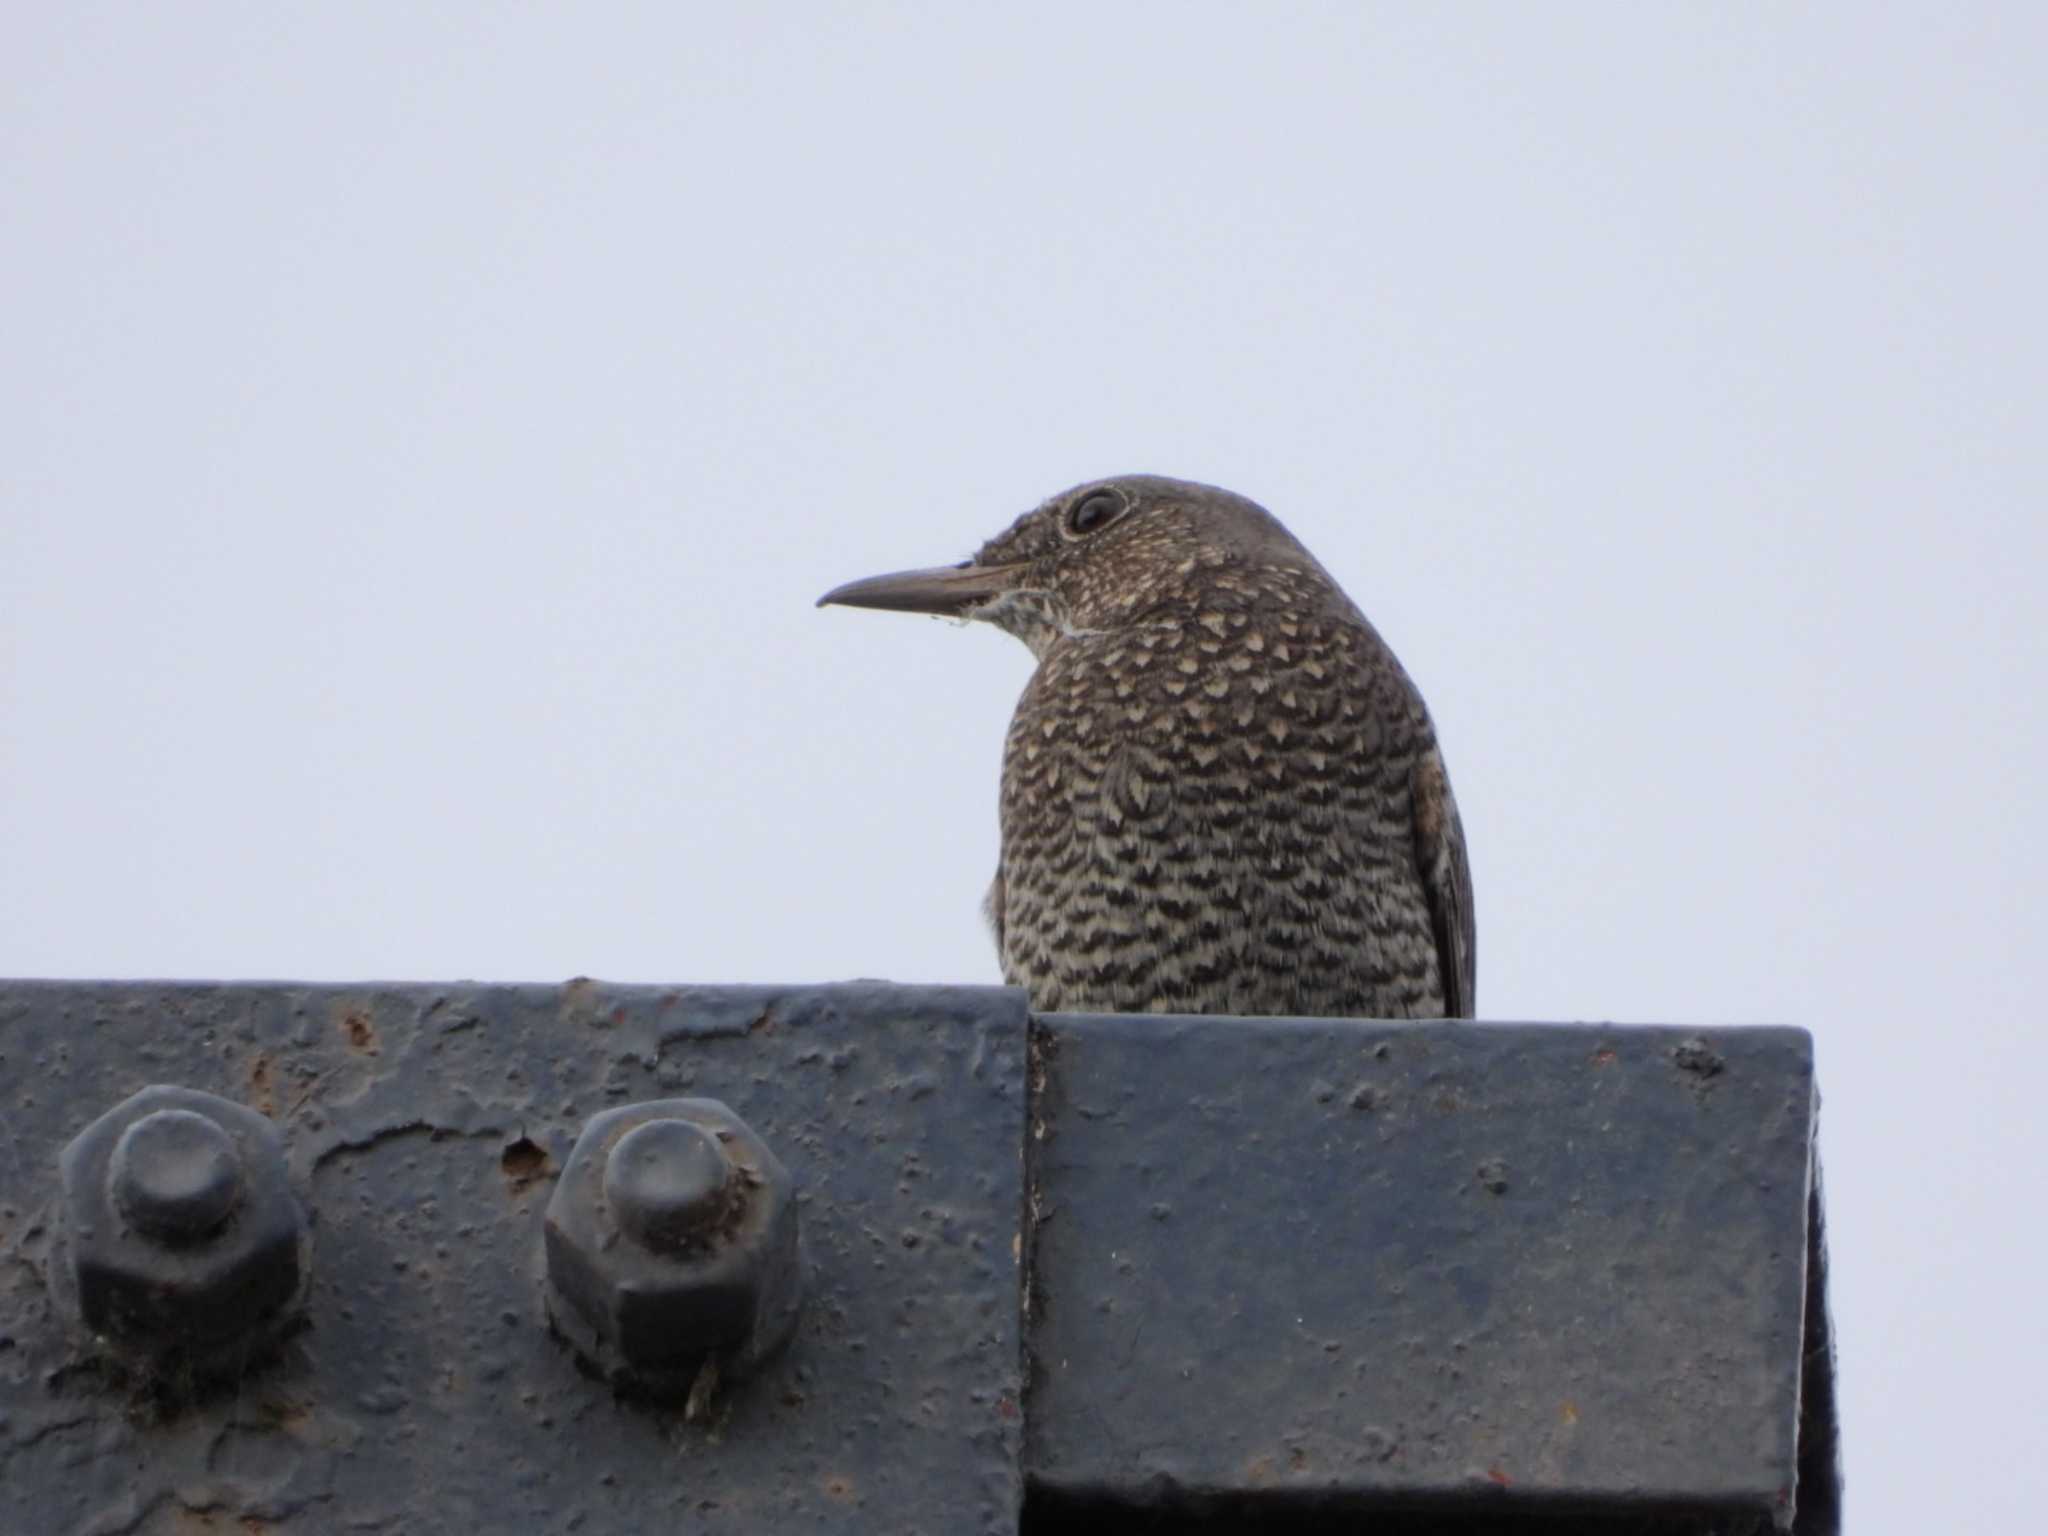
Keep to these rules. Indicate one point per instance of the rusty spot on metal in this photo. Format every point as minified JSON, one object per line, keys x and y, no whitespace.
{"x":360,"y":1032}
{"x":192,"y":1522}
{"x":1697,"y":1057}
{"x":524,"y":1161}
{"x":262,"y":1094}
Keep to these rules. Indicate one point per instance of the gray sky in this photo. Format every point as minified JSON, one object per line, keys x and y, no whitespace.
{"x":424,"y":430}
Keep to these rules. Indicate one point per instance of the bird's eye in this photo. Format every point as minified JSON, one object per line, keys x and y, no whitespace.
{"x":1095,"y":510}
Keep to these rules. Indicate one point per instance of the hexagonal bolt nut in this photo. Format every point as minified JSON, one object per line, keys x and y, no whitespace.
{"x":671,"y":1241}
{"x":178,"y":1231}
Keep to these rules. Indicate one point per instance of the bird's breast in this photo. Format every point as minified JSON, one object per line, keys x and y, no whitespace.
{"x":1205,"y":815}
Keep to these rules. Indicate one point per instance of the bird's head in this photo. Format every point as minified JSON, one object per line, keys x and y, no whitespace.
{"x":1108,"y":555}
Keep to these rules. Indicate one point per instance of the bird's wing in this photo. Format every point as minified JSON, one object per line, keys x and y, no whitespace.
{"x":1446,"y":881}
{"x":992,"y":908}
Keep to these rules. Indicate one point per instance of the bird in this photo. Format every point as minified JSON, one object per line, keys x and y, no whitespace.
{"x":1221,"y":793}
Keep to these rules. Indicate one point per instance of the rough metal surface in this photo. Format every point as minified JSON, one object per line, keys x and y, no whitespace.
{"x":425,"y":1392}
{"x":1554,"y":1273}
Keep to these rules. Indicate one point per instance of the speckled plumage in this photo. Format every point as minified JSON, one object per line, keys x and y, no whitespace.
{"x":1220,"y":791}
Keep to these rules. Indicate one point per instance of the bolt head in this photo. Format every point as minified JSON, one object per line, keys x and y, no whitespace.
{"x":669,"y":1183}
{"x":671,"y":1238}
{"x":179,"y":1234}
{"x":176,"y":1174}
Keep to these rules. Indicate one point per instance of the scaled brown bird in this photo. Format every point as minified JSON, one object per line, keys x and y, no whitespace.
{"x":1221,"y":793}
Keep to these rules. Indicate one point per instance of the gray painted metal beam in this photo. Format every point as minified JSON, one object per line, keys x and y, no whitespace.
{"x":424,"y":1393}
{"x":1315,"y":1264}
{"x":720,"y":1258}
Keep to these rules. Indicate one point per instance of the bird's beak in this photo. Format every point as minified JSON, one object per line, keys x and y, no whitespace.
{"x":953,"y":590}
